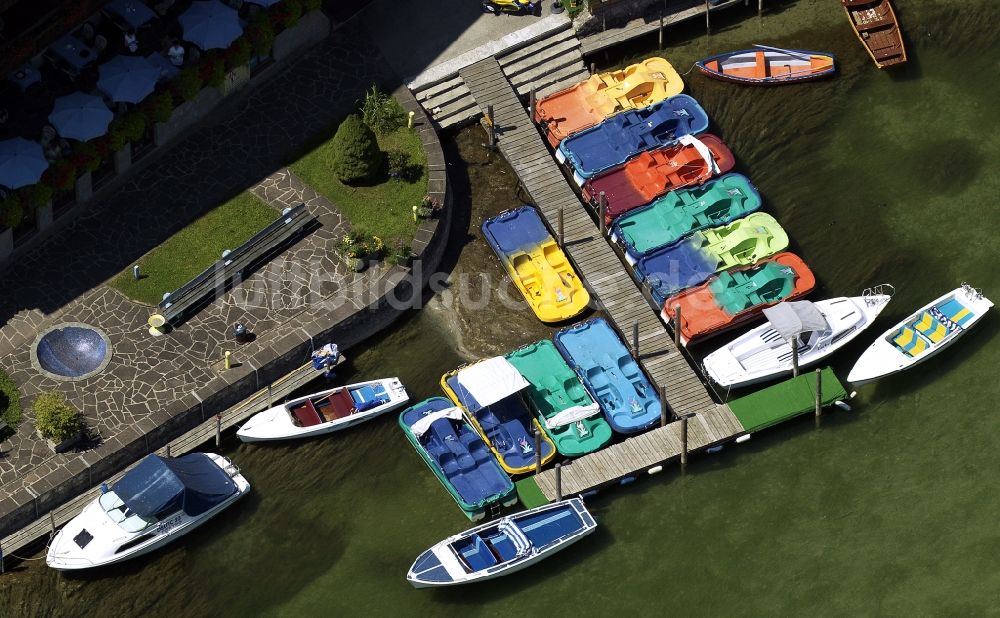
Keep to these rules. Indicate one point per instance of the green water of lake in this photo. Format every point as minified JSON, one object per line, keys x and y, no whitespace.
{"x":878,"y":177}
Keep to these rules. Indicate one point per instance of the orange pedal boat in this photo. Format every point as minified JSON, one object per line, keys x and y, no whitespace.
{"x":691,"y":161}
{"x":605,"y":94}
{"x":738,"y":296}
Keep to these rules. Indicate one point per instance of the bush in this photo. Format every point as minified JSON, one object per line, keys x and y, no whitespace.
{"x":128,"y":128}
{"x":260,"y":33}
{"x":37,"y":196}
{"x":361,"y":245}
{"x":86,"y":158}
{"x":212,"y":69}
{"x":355,"y":156}
{"x":189,"y":83}
{"x":238,"y":53}
{"x":55,"y":418}
{"x":310,"y":5}
{"x":12,"y":211}
{"x":381,"y":112}
{"x":400,"y":165}
{"x":10,"y":400}
{"x":61,"y":176}
{"x":286,"y":13}
{"x":158,"y":107}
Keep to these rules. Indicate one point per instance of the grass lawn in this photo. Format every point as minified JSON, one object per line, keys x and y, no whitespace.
{"x":385,"y":209}
{"x":10,"y":401}
{"x":193,"y":249}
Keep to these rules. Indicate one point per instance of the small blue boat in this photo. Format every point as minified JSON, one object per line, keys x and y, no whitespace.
{"x":625,"y":135}
{"x":502,"y":547}
{"x":615,"y":381}
{"x":457,"y":456}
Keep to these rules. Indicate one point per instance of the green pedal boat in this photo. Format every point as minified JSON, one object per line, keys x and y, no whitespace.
{"x":571,"y":417}
{"x":678,"y":213}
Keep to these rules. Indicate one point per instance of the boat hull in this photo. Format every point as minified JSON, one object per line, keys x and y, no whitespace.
{"x":768,"y":67}
{"x":277,"y":424}
{"x":874,"y":23}
{"x":884,"y":357}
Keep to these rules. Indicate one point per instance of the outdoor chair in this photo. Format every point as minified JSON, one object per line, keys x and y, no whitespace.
{"x":86,"y":33}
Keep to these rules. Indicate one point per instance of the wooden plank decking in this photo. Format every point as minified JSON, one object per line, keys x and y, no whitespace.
{"x":606,"y":278}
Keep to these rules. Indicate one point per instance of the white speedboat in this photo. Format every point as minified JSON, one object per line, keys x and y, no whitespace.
{"x":325,"y":412}
{"x":503,"y":546}
{"x":158,"y":501}
{"x":934,"y":327}
{"x":818,"y":330}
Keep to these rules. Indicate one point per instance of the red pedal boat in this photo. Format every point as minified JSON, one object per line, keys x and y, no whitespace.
{"x":691,"y":161}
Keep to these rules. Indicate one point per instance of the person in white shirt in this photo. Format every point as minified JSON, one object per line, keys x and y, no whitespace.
{"x":176,"y":54}
{"x":131,"y":41}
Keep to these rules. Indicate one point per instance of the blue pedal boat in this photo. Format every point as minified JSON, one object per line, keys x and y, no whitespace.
{"x":615,"y":381}
{"x":457,"y":456}
{"x":502,"y":547}
{"x":679,"y":213}
{"x":625,"y":135}
{"x":489,"y":392}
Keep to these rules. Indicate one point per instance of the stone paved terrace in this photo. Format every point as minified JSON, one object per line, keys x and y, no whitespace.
{"x":65,"y":280}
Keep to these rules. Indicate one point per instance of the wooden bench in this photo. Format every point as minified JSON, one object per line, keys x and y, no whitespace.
{"x":213,"y":280}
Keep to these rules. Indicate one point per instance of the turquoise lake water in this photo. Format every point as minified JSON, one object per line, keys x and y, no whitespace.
{"x":890,"y":509}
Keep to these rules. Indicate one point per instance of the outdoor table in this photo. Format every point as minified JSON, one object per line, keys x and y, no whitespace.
{"x":132,"y":12}
{"x":73,"y":52}
{"x":24,"y":76}
{"x":167,"y":69}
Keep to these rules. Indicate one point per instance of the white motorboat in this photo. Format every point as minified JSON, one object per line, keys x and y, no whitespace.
{"x":325,"y":412}
{"x":934,"y":327}
{"x":818,"y":330}
{"x":158,"y":501}
{"x":503,"y":546}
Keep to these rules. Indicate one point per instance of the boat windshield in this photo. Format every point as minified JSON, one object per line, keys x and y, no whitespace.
{"x":118,"y":512}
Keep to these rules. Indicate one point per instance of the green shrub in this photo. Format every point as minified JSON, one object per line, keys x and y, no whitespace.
{"x":310,"y":5}
{"x":55,"y":418}
{"x":189,"y":83}
{"x":11,"y":211}
{"x":239,"y":53}
{"x":381,"y":112}
{"x":86,"y":157}
{"x":37,"y":196}
{"x":158,"y":107}
{"x":10,"y":400}
{"x":128,"y":128}
{"x":286,"y":13}
{"x":355,"y":156}
{"x":213,"y":68}
{"x":260,"y":33}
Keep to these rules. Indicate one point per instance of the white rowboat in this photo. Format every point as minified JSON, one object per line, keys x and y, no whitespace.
{"x":928,"y":331}
{"x":325,"y":412}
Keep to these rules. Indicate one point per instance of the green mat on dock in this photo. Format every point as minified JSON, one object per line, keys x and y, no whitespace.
{"x":783,"y":401}
{"x":529,"y":493}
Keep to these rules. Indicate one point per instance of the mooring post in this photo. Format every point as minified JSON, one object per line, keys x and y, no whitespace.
{"x":538,"y":451}
{"x":708,"y":22}
{"x":562,"y":235}
{"x":819,"y":391}
{"x":661,"y":30}
{"x":218,"y":430}
{"x":1,"y":558}
{"x":558,"y":482}
{"x":168,"y":450}
{"x":760,"y":8}
{"x":52,"y":522}
{"x":270,"y":399}
{"x":635,"y":339}
{"x":491,"y":126}
{"x":663,"y":406}
{"x":677,"y":327}
{"x":602,"y":208}
{"x":531,"y":101}
{"x":795,"y":356}
{"x":593,"y":68}
{"x":684,"y":443}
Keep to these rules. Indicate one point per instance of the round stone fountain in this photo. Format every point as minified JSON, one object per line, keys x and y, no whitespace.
{"x":71,"y":351}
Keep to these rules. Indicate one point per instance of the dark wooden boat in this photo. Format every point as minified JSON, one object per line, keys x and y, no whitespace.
{"x":875,"y":23}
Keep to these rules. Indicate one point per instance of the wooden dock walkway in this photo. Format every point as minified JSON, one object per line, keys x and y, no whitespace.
{"x":606,"y":277}
{"x":186,"y":443}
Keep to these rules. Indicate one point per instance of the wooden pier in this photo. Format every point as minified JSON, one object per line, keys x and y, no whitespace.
{"x":607,"y":279}
{"x":186,"y":443}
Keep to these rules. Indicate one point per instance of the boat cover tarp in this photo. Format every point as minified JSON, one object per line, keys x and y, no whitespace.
{"x":517,"y":230}
{"x":420,"y":427}
{"x":701,"y":149}
{"x":490,"y":380}
{"x":162,"y":485}
{"x":793,"y":318}
{"x":785,"y":400}
{"x":572,"y":415}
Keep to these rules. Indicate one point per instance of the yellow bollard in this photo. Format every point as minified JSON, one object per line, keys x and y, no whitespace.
{"x":229,"y":361}
{"x":409,"y":120}
{"x":414,"y":214}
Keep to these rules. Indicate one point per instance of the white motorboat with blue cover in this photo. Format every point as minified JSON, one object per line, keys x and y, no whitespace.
{"x":934,"y":327}
{"x":325,"y":412}
{"x":503,"y":546}
{"x":817,"y":330}
{"x":158,"y":501}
